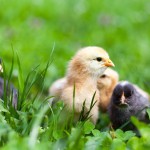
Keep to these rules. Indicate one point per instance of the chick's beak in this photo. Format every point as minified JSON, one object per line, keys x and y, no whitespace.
{"x":123,"y":99}
{"x":108,"y":63}
{"x":123,"y":104}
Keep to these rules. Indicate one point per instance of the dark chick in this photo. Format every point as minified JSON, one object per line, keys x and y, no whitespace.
{"x":127,"y":101}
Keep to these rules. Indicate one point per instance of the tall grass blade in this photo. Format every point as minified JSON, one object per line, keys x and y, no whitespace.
{"x":35,"y":128}
{"x":20,"y":75}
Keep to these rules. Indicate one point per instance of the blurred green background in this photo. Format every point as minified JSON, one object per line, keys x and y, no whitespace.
{"x":33,"y":27}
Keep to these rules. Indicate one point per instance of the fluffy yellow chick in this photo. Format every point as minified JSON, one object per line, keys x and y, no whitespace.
{"x":83,"y":72}
{"x":106,"y":84}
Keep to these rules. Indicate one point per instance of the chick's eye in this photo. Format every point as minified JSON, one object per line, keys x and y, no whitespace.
{"x":99,"y":59}
{"x":103,"y":76}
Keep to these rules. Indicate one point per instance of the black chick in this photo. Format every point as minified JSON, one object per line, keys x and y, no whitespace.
{"x":10,"y":91}
{"x":127,"y":101}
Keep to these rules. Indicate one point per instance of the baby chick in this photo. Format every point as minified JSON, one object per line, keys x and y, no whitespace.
{"x":127,"y":101}
{"x":106,"y":84}
{"x":83,"y":72}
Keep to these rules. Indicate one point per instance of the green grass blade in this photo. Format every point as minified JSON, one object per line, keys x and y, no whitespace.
{"x":20,"y":75}
{"x":35,"y":128}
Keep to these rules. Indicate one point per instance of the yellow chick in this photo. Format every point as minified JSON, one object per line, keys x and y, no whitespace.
{"x":106,"y":84}
{"x":84,"y":70}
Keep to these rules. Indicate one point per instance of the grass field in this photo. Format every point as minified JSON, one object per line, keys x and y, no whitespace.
{"x":32,"y":29}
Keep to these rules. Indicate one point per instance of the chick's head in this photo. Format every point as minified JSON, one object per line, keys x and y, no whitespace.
{"x":108,"y":79}
{"x":122,"y":94}
{"x":93,"y":60}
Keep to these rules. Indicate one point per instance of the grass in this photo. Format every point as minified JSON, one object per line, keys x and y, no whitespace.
{"x":32,"y":29}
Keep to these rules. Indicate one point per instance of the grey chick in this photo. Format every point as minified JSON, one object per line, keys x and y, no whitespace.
{"x":127,"y":101}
